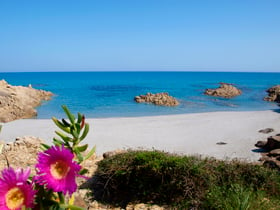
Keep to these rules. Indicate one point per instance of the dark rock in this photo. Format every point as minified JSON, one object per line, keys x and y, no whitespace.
{"x":273,"y":142}
{"x":261,"y":144}
{"x":271,"y":158}
{"x":266,"y":130}
{"x":221,"y":143}
{"x":275,"y":152}
{"x":273,"y":94}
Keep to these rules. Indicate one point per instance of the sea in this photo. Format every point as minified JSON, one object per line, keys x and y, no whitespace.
{"x":111,"y":94}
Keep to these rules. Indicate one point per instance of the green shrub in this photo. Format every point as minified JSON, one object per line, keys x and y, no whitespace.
{"x":238,"y":197}
{"x":182,"y":181}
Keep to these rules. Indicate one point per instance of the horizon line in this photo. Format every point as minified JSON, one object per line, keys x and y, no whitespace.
{"x":132,"y":71}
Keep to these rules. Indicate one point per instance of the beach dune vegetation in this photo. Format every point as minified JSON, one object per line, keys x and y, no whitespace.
{"x":185,"y":182}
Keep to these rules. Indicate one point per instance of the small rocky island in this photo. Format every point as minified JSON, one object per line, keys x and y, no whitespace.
{"x":273,"y":94}
{"x":225,"y":90}
{"x":18,"y":102}
{"x":161,"y":99}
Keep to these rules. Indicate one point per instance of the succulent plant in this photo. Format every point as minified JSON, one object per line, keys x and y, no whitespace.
{"x":72,"y":132}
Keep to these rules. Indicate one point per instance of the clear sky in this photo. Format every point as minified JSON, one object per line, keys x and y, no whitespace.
{"x":166,"y":35}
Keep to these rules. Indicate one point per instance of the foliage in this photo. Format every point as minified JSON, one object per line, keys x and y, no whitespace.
{"x":240,"y":197}
{"x":183,"y":181}
{"x":73,"y":132}
{"x":57,"y":168}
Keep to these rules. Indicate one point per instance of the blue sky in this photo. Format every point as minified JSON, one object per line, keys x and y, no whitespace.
{"x":133,"y":35}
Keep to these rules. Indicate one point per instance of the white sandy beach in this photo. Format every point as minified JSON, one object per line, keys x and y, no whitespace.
{"x":182,"y":134}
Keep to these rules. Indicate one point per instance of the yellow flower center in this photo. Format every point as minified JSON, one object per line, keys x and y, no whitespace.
{"x":59,"y":169}
{"x":14,"y":198}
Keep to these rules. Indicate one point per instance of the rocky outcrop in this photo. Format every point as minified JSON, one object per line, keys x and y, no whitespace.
{"x":20,"y":153}
{"x":161,"y":99}
{"x":273,"y":94}
{"x":17,"y":102}
{"x":271,"y":151}
{"x":273,"y":142}
{"x":225,"y":90}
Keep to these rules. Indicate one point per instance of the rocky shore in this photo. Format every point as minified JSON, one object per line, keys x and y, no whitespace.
{"x":273,"y":94}
{"x":270,"y":150}
{"x":18,"y":102}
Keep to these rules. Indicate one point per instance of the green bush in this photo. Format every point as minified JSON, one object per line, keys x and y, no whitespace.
{"x":183,"y":181}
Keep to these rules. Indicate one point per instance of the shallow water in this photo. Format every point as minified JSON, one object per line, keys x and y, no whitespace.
{"x":110,"y":94}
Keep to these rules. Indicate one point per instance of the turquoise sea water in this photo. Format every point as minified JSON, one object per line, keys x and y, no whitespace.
{"x":110,"y":94}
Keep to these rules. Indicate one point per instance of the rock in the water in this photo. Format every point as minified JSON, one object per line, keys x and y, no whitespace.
{"x":273,"y":94}
{"x":161,"y":99}
{"x":225,"y":90}
{"x":18,"y":102}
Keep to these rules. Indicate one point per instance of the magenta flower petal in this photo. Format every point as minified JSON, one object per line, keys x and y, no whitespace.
{"x":15,"y":190}
{"x":57,"y":170}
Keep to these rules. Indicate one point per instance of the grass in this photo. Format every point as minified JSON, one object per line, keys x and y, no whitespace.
{"x":185,"y":182}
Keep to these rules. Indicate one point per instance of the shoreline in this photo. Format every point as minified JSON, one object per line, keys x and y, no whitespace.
{"x":186,"y":134}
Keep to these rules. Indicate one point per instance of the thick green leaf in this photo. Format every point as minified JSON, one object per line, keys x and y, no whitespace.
{"x":64,"y":137}
{"x":61,"y":125}
{"x":45,"y":146}
{"x":80,"y":117}
{"x":69,"y":114}
{"x":82,"y":148}
{"x":83,"y":171}
{"x":86,"y":130}
{"x":57,"y":141}
{"x":91,"y":152}
{"x":78,"y":127}
{"x":79,"y":155}
{"x":74,"y":133}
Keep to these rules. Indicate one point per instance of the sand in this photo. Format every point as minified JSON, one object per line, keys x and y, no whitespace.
{"x":191,"y":134}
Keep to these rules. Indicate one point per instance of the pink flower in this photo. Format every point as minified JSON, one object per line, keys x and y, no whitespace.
{"x":15,"y":190}
{"x":57,"y":170}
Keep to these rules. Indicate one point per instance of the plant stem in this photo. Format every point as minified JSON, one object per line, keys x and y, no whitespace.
{"x":61,"y":197}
